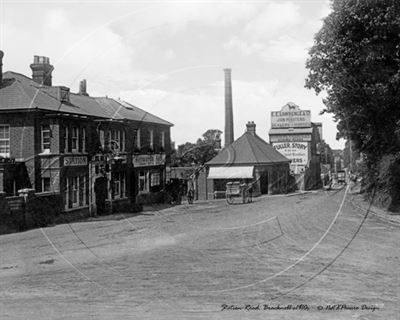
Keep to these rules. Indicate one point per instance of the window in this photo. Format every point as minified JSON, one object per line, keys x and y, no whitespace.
{"x":74,"y":191}
{"x":155,"y":179}
{"x":74,"y":139}
{"x":46,"y":186}
{"x":151,"y":137}
{"x":162,"y":138}
{"x":119,"y":185}
{"x":83,"y":140}
{"x":46,"y":136}
{"x":138,"y":145}
{"x":66,"y":139}
{"x":122,"y":140}
{"x":76,"y":195}
{"x":4,"y":141}
{"x":101,"y":138}
{"x":143,"y":181}
{"x":115,"y":141}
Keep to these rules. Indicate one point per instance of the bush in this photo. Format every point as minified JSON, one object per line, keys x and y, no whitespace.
{"x":382,"y":183}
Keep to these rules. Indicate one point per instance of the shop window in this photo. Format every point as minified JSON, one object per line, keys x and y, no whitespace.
{"x":46,"y":137}
{"x":46,"y":185}
{"x":155,"y":179}
{"x":76,"y":194}
{"x":143,"y":181}
{"x":74,"y":191}
{"x":75,"y":139}
{"x":5,"y":141}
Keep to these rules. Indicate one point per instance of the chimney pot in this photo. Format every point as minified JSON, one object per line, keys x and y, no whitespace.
{"x":41,"y":70}
{"x":251,"y":128}
{"x":82,"y":88}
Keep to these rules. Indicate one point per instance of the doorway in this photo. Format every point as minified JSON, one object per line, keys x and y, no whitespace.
{"x":264,"y":183}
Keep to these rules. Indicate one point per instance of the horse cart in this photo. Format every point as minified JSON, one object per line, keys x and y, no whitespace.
{"x":237,"y":192}
{"x":341,"y":177}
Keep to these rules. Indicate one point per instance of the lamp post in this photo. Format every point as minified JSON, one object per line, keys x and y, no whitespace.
{"x":112,"y":157}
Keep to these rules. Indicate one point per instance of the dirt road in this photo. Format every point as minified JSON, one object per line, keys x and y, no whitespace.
{"x":277,"y":258}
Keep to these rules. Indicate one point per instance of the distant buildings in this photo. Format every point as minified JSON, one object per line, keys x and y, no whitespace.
{"x":84,"y":148}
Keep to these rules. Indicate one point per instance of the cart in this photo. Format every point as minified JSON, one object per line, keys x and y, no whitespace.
{"x":237,"y":192}
{"x":341,"y":177}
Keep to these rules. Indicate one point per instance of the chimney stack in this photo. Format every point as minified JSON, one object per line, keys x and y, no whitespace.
{"x":82,"y":88}
{"x":41,"y":70}
{"x":251,"y":127}
{"x":229,"y":137}
{"x":1,"y":67}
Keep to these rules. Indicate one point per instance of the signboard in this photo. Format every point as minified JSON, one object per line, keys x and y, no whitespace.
{"x":75,"y":161}
{"x":291,"y":116}
{"x":147,"y":160}
{"x":295,"y":151}
{"x":289,"y":137}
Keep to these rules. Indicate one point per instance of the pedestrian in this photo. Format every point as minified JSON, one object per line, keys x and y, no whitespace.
{"x":190,"y":195}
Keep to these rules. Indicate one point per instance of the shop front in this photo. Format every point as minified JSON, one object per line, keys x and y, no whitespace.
{"x":149,"y":175}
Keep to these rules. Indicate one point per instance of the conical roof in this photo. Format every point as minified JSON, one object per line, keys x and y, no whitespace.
{"x":249,"y":149}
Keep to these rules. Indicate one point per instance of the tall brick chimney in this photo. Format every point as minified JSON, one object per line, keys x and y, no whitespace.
{"x":229,"y":137}
{"x":251,"y":128}
{"x":1,"y":67}
{"x":41,"y":70}
{"x":82,"y":88}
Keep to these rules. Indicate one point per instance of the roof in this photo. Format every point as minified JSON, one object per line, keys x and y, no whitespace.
{"x":249,"y":149}
{"x":290,"y":130}
{"x":20,"y":92}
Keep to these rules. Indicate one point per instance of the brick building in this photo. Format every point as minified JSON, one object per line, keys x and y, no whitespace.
{"x":53,"y":140}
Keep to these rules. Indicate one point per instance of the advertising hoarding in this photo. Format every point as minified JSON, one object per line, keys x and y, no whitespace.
{"x":295,"y":151}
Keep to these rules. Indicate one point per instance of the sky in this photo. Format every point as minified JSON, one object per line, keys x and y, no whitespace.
{"x":167,"y":57}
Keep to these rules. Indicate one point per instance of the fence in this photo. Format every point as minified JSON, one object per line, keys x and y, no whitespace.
{"x":28,"y":210}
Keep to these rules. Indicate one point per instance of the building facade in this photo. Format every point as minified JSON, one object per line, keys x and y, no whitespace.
{"x":84,"y":148}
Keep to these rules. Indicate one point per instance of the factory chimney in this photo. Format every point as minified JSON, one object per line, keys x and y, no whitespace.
{"x":1,"y":66}
{"x":229,"y":137}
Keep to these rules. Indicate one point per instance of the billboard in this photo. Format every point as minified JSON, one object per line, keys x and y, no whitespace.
{"x":291,"y":119}
{"x":295,"y":151}
{"x":290,"y":116}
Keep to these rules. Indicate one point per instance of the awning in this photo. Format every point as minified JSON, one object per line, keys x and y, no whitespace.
{"x":231,"y":172}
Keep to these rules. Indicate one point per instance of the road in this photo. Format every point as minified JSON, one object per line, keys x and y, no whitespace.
{"x":277,"y":258}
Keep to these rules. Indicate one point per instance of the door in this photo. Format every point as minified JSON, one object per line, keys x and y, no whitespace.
{"x":264,"y":183}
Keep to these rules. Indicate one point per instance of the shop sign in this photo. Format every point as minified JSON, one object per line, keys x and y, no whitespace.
{"x":75,"y":161}
{"x":289,"y":137}
{"x":295,"y":151}
{"x":291,"y":116}
{"x":147,"y":160}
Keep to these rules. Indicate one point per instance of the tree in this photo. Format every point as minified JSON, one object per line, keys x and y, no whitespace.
{"x":198,"y":153}
{"x":356,"y":61}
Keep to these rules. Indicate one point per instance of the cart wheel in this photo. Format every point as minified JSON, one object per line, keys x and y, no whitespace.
{"x":229,"y":199}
